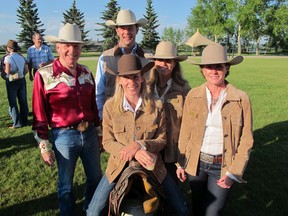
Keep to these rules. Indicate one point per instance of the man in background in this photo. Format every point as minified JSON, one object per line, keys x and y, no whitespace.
{"x":38,"y":55}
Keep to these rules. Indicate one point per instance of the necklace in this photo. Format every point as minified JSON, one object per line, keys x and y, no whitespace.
{"x":214,"y":101}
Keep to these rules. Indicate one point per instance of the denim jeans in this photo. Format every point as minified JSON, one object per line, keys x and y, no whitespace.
{"x":176,"y":203}
{"x":207,"y":197}
{"x":99,"y":203}
{"x":175,"y":200}
{"x":69,"y":145}
{"x":17,"y":90}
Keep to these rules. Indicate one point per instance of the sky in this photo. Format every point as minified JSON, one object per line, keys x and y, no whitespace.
{"x":171,"y":13}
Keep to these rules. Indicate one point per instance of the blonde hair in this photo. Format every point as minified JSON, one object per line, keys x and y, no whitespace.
{"x":148,"y":103}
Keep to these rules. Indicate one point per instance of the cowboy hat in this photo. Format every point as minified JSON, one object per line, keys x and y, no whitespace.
{"x":166,"y":50}
{"x":13,"y":45}
{"x":126,"y":17}
{"x":217,"y":54}
{"x":69,"y":33}
{"x":129,"y":64}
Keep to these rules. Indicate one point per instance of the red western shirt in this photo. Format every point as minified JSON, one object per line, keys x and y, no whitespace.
{"x":61,"y":100}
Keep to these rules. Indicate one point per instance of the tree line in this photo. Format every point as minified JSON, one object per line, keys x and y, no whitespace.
{"x":234,"y":23}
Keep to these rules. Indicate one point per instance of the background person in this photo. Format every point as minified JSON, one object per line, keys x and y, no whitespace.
{"x":216,"y":134}
{"x":16,"y":87}
{"x":166,"y":83}
{"x":133,"y":128}
{"x":127,"y":28}
{"x":64,"y":99}
{"x":38,"y":55}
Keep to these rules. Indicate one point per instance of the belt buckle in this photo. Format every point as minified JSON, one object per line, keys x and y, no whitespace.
{"x":206,"y":158}
{"x":82,"y":126}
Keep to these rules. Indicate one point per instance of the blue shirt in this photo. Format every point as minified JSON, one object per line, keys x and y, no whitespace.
{"x":100,"y":81}
{"x":38,"y":56}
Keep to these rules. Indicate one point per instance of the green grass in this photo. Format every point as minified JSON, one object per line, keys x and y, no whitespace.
{"x":28,"y":187}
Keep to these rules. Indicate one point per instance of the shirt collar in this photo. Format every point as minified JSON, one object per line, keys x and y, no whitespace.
{"x":128,"y":107}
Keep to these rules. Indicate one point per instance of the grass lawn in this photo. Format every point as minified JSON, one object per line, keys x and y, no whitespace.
{"x":29,"y":187}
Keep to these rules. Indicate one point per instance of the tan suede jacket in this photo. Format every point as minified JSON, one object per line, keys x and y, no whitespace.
{"x":118,"y":131}
{"x":173,"y":105}
{"x":237,"y":131}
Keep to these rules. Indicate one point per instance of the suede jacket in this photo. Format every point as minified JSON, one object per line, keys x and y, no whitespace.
{"x":173,"y":104}
{"x":119,"y":130}
{"x":237,"y":130}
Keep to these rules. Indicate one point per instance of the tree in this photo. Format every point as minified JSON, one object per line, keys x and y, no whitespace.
{"x":277,"y":27}
{"x":109,"y":34}
{"x":175,"y":36}
{"x":150,"y":35}
{"x":213,"y":17}
{"x":29,"y":22}
{"x":73,"y":15}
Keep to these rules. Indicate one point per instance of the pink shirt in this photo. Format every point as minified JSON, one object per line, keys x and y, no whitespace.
{"x":59,"y":100}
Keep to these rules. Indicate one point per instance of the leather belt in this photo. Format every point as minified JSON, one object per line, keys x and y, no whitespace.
{"x":81,"y":127}
{"x":211,"y":159}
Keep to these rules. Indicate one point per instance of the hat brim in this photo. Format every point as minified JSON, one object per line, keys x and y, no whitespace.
{"x":234,"y":61}
{"x":145,"y":69}
{"x":141,"y":22}
{"x":54,"y":39}
{"x":177,"y":58}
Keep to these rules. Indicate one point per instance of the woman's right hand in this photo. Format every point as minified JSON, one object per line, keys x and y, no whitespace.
{"x":181,"y":174}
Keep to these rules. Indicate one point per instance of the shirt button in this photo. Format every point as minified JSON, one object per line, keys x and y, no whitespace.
{"x":138,"y":127}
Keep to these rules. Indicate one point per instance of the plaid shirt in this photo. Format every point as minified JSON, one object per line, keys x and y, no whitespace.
{"x":38,"y":56}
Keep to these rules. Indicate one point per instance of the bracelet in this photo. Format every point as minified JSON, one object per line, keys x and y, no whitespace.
{"x":45,"y":146}
{"x":178,"y":166}
{"x":99,"y":131}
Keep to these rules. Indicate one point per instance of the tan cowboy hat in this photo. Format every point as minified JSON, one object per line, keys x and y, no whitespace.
{"x":166,"y":50}
{"x":13,"y":45}
{"x":130,"y":64}
{"x":69,"y":33}
{"x":217,"y":54}
{"x":126,"y":17}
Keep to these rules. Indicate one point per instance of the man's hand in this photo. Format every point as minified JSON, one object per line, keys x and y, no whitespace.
{"x":49,"y":158}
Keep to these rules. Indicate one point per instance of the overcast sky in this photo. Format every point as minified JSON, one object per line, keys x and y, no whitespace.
{"x":171,"y":13}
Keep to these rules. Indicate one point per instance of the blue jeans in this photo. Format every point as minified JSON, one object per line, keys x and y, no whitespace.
{"x":175,"y":199}
{"x":98,"y":205}
{"x":69,"y":145}
{"x":17,"y":90}
{"x":207,"y":197}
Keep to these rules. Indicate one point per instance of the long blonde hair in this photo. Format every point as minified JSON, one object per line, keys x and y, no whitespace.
{"x":147,"y":101}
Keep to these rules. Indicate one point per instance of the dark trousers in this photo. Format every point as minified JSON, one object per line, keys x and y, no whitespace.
{"x":207,"y":197}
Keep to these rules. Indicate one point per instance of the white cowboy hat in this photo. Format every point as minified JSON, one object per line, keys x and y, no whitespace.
{"x":126,"y":17}
{"x":69,"y":33}
{"x":217,"y":54}
{"x":166,"y":50}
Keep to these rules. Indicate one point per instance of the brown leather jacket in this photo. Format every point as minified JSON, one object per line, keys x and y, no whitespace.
{"x":237,"y":130}
{"x":119,"y":129}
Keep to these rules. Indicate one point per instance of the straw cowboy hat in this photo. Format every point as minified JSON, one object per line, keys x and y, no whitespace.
{"x":69,"y":33}
{"x":126,"y":17}
{"x":217,"y":54}
{"x":130,"y":64}
{"x":13,"y":45}
{"x":166,"y":50}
